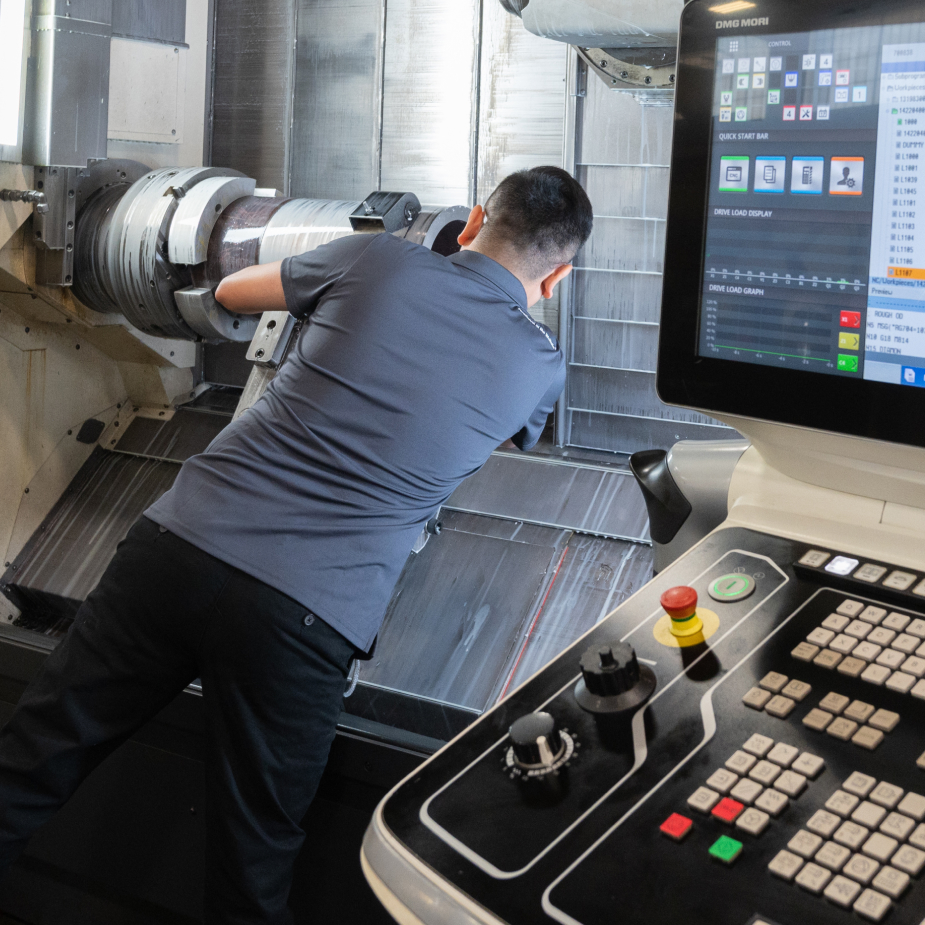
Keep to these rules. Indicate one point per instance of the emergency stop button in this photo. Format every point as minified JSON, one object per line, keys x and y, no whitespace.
{"x":680,"y":604}
{"x":731,"y":588}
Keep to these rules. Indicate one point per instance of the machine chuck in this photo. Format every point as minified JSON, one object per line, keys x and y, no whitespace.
{"x":612,"y":680}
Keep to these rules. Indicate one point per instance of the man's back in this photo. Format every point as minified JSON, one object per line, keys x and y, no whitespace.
{"x":411,"y":369}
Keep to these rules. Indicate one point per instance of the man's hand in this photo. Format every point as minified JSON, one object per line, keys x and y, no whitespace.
{"x":253,"y":290}
{"x":508,"y":445}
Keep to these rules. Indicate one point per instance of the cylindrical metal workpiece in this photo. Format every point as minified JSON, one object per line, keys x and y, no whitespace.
{"x":124,"y":245}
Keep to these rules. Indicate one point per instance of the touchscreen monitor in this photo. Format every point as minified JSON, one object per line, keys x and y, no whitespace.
{"x":807,"y":130}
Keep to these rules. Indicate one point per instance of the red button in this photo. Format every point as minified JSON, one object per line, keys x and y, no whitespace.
{"x":680,"y":603}
{"x":850,"y":319}
{"x":728,"y":810}
{"x":676,"y":826}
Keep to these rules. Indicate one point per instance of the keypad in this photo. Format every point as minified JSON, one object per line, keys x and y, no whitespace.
{"x":860,"y":640}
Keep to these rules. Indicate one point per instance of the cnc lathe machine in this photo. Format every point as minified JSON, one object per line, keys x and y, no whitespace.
{"x":743,"y":740}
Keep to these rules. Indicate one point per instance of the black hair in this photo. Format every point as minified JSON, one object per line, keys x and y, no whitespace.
{"x":543,"y":213}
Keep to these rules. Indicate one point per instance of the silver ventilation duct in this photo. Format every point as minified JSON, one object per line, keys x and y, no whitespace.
{"x":630,"y":44}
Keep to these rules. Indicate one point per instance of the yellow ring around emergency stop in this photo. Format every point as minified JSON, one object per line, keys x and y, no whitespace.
{"x":662,"y":630}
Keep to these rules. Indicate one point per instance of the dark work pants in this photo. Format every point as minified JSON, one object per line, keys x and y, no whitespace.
{"x":273,"y":676}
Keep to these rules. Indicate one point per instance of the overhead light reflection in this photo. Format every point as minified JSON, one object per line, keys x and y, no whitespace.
{"x":732,"y":7}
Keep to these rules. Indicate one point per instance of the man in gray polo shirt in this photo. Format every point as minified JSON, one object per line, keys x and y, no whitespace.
{"x":269,"y":565}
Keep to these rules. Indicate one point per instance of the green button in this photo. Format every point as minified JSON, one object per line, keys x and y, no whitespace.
{"x":731,"y":588}
{"x":726,"y":849}
{"x":847,"y":363}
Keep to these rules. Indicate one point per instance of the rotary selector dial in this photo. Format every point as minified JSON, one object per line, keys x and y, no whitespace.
{"x":538,"y":746}
{"x":612,"y":680}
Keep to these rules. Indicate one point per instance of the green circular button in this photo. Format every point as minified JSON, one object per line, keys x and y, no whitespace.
{"x":731,"y":588}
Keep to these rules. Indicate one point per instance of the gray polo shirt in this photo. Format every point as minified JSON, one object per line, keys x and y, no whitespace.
{"x":410,"y":370}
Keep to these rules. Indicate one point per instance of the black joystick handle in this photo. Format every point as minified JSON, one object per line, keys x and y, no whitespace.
{"x":612,"y":680}
{"x":536,"y":740}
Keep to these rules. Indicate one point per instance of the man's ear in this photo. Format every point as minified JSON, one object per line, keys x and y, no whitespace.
{"x":548,"y":285}
{"x":473,"y":226}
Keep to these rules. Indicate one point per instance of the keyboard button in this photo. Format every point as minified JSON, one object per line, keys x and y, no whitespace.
{"x":817,"y":719}
{"x":808,"y":765}
{"x":773,"y":682}
{"x":868,"y":814}
{"x":804,"y":843}
{"x":867,"y":650}
{"x":834,"y":703}
{"x":779,"y":706}
{"x":861,"y":869}
{"x":906,"y":643}
{"x":756,"y":698}
{"x":890,"y":658}
{"x":860,"y":784}
{"x":872,"y":614}
{"x":814,"y":558}
{"x":913,"y":804}
{"x":850,"y":608}
{"x":852,"y":667}
{"x":899,"y":581}
{"x":823,"y":823}
{"x":842,"y":891}
{"x":867,"y":737}
{"x":885,"y":720}
{"x":892,"y":882}
{"x":753,"y":821}
{"x":914,"y":665}
{"x":881,"y":636}
{"x":870,"y":573}
{"x":851,"y":835}
{"x":842,"y":728}
{"x":746,"y":791}
{"x":772,"y":802}
{"x":785,"y":865}
{"x":791,"y":783}
{"x":872,"y":905}
{"x":858,"y":628}
{"x":900,"y":682}
{"x":859,"y":711}
{"x":758,"y":745}
{"x":897,"y":826}
{"x":676,"y":827}
{"x":896,"y":621}
{"x":832,"y":856}
{"x":783,"y":755}
{"x":879,"y":847}
{"x":842,"y":565}
{"x":813,"y":878}
{"x":887,"y":795}
{"x":909,"y":859}
{"x":703,"y":799}
{"x":842,"y":803}
{"x":916,"y":628}
{"x":875,"y":674}
{"x":797,"y":690}
{"x":722,"y":781}
{"x":820,"y":637}
{"x":835,"y":622}
{"x":741,"y":762}
{"x":805,"y":652}
{"x":827,"y":659}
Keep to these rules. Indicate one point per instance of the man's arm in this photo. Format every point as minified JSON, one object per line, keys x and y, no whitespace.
{"x":253,"y":290}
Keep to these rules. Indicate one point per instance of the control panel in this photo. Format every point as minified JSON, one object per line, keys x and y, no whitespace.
{"x":741,"y":742}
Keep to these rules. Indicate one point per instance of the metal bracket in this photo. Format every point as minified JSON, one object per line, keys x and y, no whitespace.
{"x":209,"y":320}
{"x":268,"y":346}
{"x":54,"y":228}
{"x":385,"y":212}
{"x":649,"y":73}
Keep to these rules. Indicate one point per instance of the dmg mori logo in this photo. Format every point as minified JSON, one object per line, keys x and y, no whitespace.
{"x":741,"y":23}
